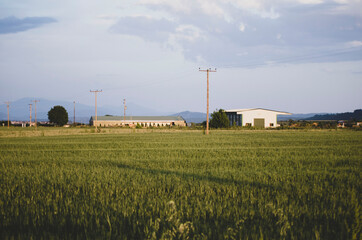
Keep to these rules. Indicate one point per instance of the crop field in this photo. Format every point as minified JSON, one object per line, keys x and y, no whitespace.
{"x":172,"y":184}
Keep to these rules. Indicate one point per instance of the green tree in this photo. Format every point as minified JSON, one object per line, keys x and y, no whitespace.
{"x":219,"y":119}
{"x":58,"y":115}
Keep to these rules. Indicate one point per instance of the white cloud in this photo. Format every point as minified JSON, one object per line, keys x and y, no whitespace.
{"x":342,"y":1}
{"x":148,"y":28}
{"x":229,"y":27}
{"x":245,"y":4}
{"x":268,"y":14}
{"x":354,"y":44}
{"x":241,"y":54}
{"x":189,"y":33}
{"x":259,"y":8}
{"x":242,"y":27}
{"x":311,"y":1}
{"x":349,"y":7}
{"x":106,"y":19}
{"x":200,"y":59}
{"x":176,"y":5}
{"x":211,"y":8}
{"x":269,"y":9}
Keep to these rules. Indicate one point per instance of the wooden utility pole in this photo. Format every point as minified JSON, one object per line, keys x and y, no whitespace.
{"x":95,"y":93}
{"x":35,"y":101}
{"x":207,"y":108}
{"x":30,"y":105}
{"x":7,"y":105}
{"x":74,"y":114}
{"x":124,"y":110}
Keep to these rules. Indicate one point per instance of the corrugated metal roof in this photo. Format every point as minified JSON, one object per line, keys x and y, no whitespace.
{"x":139,"y":118}
{"x":252,"y":109}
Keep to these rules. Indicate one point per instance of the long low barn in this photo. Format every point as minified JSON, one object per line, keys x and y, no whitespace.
{"x":146,"y":121}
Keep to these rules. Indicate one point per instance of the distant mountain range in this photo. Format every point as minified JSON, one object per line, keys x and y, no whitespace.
{"x":19,"y":111}
{"x":195,"y":117}
{"x":297,"y":116}
{"x":356,"y":115}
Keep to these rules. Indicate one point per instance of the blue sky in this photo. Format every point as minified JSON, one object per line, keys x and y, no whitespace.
{"x":299,"y":56}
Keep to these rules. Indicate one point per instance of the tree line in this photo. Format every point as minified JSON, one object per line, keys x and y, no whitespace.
{"x":356,"y":116}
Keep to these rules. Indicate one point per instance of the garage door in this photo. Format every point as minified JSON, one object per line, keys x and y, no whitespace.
{"x":259,"y":122}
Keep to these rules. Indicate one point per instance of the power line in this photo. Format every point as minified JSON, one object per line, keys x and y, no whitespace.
{"x":30,"y":105}
{"x":35,"y":101}
{"x":7,"y":106}
{"x":74,"y":114}
{"x":207,"y":108}
{"x":95,"y":94}
{"x":124,"y":111}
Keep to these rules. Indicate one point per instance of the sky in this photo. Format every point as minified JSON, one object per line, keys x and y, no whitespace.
{"x":299,"y":56}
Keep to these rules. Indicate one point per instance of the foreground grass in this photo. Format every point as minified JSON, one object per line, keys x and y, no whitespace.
{"x":167,"y":184}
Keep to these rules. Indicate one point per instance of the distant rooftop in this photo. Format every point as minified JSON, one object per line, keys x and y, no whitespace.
{"x":139,"y":118}
{"x":252,"y":109}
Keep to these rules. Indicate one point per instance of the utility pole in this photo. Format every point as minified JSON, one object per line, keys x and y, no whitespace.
{"x":74,"y":114}
{"x":7,"y":105}
{"x":124,"y":111}
{"x":30,"y":105}
{"x":35,"y":101}
{"x":95,"y":93}
{"x":207,"y":108}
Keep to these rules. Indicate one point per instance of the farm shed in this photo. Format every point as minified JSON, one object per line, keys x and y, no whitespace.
{"x":256,"y":117}
{"x":147,"y":121}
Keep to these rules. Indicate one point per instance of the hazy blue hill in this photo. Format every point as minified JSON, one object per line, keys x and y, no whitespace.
{"x":3,"y":116}
{"x":356,"y":115}
{"x":297,"y":116}
{"x":196,"y":117}
{"x":19,"y":110}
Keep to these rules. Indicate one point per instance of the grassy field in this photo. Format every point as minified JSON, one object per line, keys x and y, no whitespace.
{"x":169,"y":184}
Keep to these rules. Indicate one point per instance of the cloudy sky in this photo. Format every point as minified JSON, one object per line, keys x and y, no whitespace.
{"x":299,"y":56}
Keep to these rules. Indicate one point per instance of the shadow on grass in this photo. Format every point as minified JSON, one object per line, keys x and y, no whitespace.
{"x":197,"y":177}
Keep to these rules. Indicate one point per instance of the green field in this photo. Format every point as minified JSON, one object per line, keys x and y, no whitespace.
{"x":171,"y":184}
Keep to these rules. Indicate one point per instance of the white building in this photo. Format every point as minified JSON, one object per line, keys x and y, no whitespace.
{"x":255,"y":117}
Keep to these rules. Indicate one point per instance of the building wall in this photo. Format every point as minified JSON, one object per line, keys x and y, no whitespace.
{"x":108,"y":123}
{"x":270,"y":117}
